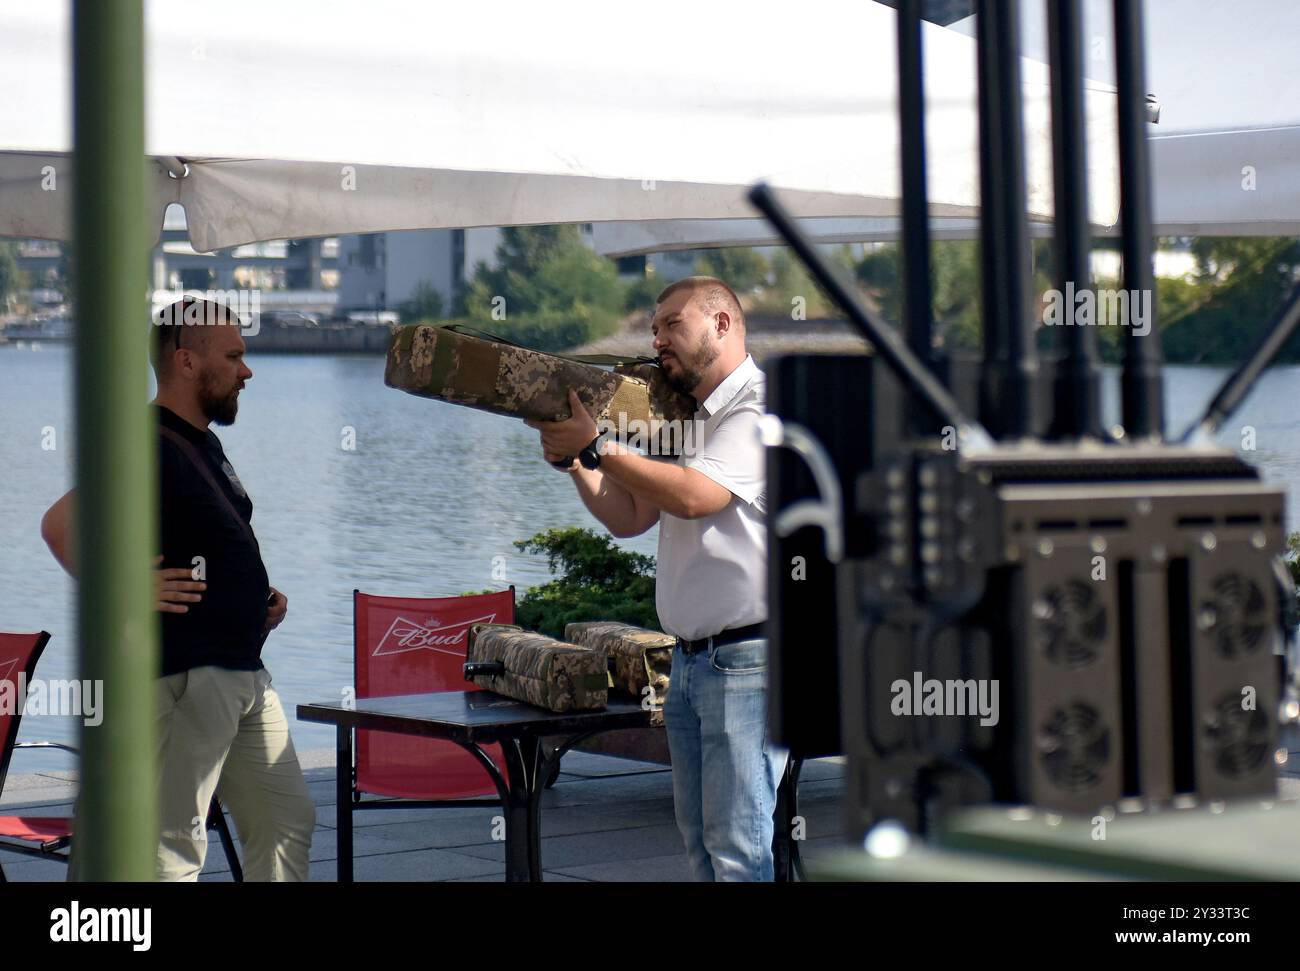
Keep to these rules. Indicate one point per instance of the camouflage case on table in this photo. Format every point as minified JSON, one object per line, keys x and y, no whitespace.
{"x":637,"y":657}
{"x":539,"y":670}
{"x":434,"y":362}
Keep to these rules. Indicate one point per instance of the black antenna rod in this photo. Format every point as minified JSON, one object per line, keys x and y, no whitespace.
{"x":1078,"y":397}
{"x":893,"y":349}
{"x":917,"y":302}
{"x":1141,"y":383}
{"x":1241,"y":382}
{"x":1009,"y":376}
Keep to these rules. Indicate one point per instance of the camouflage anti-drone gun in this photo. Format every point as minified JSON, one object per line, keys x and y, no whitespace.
{"x":633,"y":401}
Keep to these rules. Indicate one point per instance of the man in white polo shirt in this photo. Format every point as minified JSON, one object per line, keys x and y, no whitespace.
{"x":711,"y":588}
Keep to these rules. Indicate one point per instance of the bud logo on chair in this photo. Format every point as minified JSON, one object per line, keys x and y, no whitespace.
{"x":408,"y":635}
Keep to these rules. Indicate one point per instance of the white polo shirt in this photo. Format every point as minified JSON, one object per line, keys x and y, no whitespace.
{"x":712,"y":572}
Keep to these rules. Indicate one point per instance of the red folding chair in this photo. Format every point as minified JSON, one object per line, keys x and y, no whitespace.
{"x":48,"y":836}
{"x":414,"y":645}
{"x":40,"y":836}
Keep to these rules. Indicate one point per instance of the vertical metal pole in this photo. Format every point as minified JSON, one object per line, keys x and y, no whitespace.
{"x":1078,"y":401}
{"x":116,"y":467}
{"x":1141,"y":383}
{"x":1008,"y":382}
{"x":917,"y":311}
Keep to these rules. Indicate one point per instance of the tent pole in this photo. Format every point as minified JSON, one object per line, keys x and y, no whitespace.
{"x":1141,"y":382}
{"x":116,"y":466}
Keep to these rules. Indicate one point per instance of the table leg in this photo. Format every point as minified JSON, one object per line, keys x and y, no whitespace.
{"x":343,"y":802}
{"x":524,"y":765}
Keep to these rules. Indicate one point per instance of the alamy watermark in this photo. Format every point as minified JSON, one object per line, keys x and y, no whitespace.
{"x":78,"y":924}
{"x":922,"y":696}
{"x":658,"y":436}
{"x":78,"y":699}
{"x":1086,"y":307}
{"x":205,"y":308}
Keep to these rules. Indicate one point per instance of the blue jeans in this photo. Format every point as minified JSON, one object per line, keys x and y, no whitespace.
{"x":725,"y":773}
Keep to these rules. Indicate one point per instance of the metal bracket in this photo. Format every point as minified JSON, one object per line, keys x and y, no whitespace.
{"x":825,"y":513}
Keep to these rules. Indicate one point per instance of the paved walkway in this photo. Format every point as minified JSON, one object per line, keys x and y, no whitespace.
{"x":605,"y":819}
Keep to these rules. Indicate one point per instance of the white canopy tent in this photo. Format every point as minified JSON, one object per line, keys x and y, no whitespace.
{"x":277,"y":120}
{"x":1225,"y":156}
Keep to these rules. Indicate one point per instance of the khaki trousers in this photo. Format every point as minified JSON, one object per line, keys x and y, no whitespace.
{"x":226,"y":731}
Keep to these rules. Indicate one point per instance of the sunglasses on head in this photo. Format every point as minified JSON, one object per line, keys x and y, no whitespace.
{"x":177,"y":322}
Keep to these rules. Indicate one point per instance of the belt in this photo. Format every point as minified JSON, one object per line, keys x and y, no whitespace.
{"x":731,"y":636}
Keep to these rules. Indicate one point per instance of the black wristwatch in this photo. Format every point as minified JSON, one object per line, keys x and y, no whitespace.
{"x":590,"y":456}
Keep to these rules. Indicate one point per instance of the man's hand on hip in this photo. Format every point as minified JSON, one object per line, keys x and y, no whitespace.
{"x":275,"y":611}
{"x":175,"y":587}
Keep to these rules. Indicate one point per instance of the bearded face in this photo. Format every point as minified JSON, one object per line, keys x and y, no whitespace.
{"x":684,"y":372}
{"x":219,"y":398}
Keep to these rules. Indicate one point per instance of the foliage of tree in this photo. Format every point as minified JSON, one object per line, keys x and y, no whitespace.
{"x":551,"y":292}
{"x":1240,"y":283}
{"x":548,"y":290}
{"x":425,"y":303}
{"x":12,"y":279}
{"x":742,"y":268}
{"x":1212,"y":318}
{"x":789,"y":279}
{"x":598,"y":581}
{"x":955,"y":279}
{"x":641,"y":294}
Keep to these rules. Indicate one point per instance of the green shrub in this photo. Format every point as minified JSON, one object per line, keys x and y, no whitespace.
{"x":641,"y":294}
{"x":598,"y":581}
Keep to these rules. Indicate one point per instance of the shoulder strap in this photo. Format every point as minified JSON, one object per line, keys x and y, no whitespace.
{"x":195,"y":459}
{"x":606,"y":359}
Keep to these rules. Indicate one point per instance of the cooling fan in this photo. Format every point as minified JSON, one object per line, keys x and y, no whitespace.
{"x":1074,"y":746}
{"x":1238,"y":736}
{"x":1236,"y":616}
{"x":1073,"y":623}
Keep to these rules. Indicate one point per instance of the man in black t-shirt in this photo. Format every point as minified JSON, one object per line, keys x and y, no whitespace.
{"x":220,"y":723}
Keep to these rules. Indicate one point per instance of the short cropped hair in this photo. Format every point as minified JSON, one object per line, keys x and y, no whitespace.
{"x":714,"y":295}
{"x":182,"y":324}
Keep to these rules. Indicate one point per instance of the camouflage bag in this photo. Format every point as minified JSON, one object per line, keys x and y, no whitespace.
{"x":638,"y":658}
{"x":536,"y":669}
{"x":496,"y":376}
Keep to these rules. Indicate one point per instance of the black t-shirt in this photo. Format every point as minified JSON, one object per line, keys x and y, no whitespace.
{"x":223,"y":629}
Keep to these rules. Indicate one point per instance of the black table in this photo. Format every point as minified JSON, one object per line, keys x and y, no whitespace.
{"x":473,"y":719}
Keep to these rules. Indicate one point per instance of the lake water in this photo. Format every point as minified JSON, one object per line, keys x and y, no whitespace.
{"x":429,"y":499}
